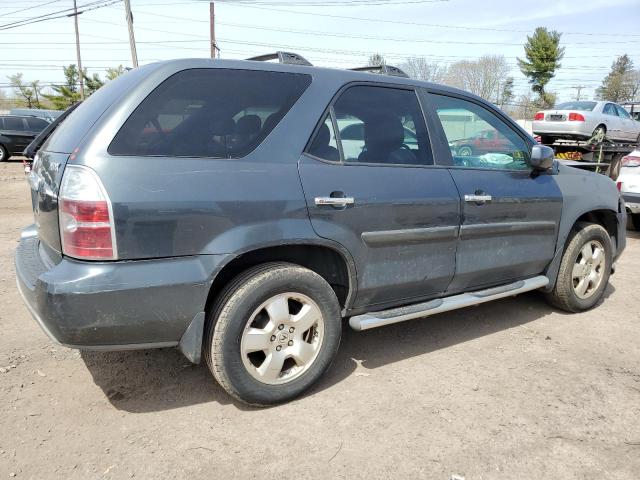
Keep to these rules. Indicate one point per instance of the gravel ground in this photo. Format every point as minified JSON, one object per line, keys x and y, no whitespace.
{"x":511,"y":389}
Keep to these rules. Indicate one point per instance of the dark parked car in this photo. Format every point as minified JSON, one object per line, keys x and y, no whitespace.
{"x":209,"y":205}
{"x":16,"y":132}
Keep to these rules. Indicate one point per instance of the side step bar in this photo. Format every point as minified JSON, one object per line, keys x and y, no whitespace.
{"x":420,"y":310}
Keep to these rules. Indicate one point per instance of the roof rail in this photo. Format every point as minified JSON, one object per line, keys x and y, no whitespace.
{"x":382,"y":69}
{"x":283,"y":57}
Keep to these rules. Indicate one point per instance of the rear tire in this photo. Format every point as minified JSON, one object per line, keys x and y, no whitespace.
{"x":635,"y":221}
{"x":465,"y":151}
{"x":273,"y":332}
{"x":584,"y":269}
{"x":599,"y":133}
{"x":4,"y":154}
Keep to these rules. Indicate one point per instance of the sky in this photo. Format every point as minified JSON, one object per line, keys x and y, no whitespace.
{"x":330,"y":33}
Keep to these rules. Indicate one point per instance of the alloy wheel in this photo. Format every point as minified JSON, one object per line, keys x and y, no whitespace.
{"x":589,"y":269}
{"x":282,"y":338}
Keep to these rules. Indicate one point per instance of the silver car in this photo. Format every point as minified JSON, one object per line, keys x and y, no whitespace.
{"x":585,"y":119}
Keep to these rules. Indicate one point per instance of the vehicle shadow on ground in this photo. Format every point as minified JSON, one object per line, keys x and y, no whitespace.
{"x":156,"y":380}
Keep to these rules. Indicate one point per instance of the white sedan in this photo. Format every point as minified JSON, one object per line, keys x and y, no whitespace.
{"x":629,"y":186}
{"x":586,"y":119}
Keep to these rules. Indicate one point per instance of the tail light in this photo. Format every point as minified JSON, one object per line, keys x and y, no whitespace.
{"x":619,"y":185}
{"x":86,"y":218}
{"x":630,"y":161}
{"x":539,"y":116}
{"x":576,"y":117}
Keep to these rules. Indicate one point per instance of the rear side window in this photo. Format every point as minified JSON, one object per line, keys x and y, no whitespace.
{"x":217,"y":113}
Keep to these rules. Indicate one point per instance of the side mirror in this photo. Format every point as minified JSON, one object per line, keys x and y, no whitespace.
{"x":542,"y":157}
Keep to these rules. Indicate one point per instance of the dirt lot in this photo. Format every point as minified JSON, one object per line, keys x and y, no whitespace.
{"x":511,"y":389}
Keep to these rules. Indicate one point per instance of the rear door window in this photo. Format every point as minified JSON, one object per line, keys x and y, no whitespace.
{"x":376,"y":125}
{"x":14,"y":123}
{"x":218,"y":113}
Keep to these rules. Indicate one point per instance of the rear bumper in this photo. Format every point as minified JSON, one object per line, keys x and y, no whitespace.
{"x":561,"y":128}
{"x":113,"y":305}
{"x":632,"y":201}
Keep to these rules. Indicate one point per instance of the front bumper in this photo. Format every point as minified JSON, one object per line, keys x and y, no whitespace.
{"x":113,"y":305}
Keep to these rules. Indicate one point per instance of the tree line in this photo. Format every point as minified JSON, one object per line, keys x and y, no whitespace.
{"x":30,"y":93}
{"x":487,"y":77}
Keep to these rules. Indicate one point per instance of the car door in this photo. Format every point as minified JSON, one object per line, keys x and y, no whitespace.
{"x":510,"y":214}
{"x":613,"y":122}
{"x":629,"y":127}
{"x":383,"y":200}
{"x":15,"y":129}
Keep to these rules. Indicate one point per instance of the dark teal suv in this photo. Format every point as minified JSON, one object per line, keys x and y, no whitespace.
{"x":214,"y":206}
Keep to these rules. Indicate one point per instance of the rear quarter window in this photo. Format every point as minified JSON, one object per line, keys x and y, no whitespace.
{"x":217,"y":113}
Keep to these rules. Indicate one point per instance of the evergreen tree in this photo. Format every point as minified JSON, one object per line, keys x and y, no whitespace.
{"x":619,"y":84}
{"x":543,"y":54}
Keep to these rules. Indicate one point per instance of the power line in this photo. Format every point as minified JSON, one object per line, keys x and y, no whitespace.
{"x":30,"y":8}
{"x":398,"y":22}
{"x":59,"y":14}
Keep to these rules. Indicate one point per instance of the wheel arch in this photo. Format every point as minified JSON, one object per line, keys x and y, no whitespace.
{"x":606,"y":217}
{"x":331,"y":262}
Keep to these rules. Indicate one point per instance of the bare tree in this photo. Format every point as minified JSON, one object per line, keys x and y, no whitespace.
{"x":635,"y":85}
{"x":482,"y":77}
{"x":524,"y":107}
{"x":22,"y":89}
{"x":376,"y":60}
{"x":421,"y":69}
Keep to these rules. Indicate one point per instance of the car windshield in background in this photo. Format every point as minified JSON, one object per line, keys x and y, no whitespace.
{"x":582,"y":106}
{"x":215,"y":113}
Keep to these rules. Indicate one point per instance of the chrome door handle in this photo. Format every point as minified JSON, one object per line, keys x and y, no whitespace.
{"x":477,"y":198}
{"x":335,"y":201}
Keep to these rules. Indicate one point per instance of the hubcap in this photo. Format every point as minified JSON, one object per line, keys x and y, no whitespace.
{"x":282,"y":338}
{"x":589,"y":269}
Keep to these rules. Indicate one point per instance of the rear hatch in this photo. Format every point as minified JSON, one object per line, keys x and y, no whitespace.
{"x":50,"y":161}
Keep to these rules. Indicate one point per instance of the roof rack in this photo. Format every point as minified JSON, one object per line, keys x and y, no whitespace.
{"x":283,"y":57}
{"x":382,"y":69}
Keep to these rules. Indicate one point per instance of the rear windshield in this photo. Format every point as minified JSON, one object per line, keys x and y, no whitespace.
{"x":583,"y":106}
{"x":219,"y":113}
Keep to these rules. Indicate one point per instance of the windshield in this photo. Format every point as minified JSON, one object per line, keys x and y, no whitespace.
{"x":584,"y":106}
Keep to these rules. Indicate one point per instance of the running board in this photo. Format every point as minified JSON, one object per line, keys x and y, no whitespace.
{"x":421,"y":310}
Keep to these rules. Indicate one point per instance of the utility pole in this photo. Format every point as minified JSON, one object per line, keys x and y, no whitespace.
{"x":212,"y":32}
{"x":579,"y":88}
{"x":132,"y":38}
{"x":80,"y":71}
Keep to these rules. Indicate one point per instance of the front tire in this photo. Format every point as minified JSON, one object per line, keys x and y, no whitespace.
{"x":584,"y":269}
{"x":273,"y":332}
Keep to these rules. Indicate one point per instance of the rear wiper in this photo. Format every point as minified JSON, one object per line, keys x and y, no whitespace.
{"x":36,"y":143}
